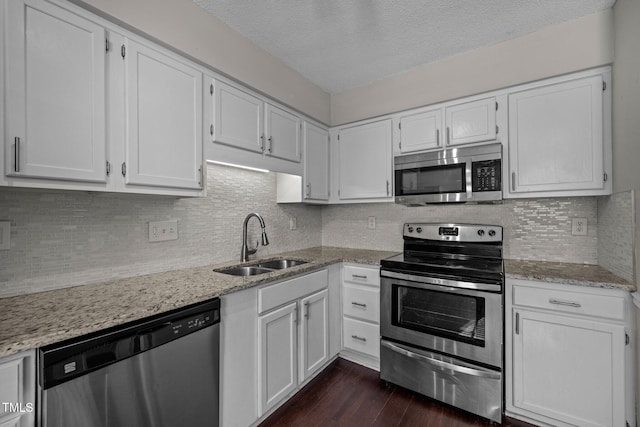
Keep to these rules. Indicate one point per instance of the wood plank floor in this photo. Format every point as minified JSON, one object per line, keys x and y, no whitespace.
{"x":347,"y":394}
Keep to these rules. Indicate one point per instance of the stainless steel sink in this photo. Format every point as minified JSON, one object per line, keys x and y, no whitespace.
{"x":245,"y":270}
{"x":279,"y":264}
{"x":260,"y":268}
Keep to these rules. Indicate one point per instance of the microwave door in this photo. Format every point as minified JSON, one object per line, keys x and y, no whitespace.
{"x":433,"y":184}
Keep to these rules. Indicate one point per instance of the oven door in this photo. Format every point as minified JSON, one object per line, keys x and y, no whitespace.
{"x":444,"y":316}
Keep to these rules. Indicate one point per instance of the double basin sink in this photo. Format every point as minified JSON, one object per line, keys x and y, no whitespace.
{"x":260,"y":268}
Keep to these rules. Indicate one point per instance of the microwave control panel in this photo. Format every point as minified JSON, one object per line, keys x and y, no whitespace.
{"x":486,"y":175}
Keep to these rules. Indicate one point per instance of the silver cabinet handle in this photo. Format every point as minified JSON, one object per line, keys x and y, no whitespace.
{"x":513,"y":181}
{"x":448,"y":136}
{"x":306,"y":310}
{"x":359,"y":304}
{"x":270,"y":144}
{"x":211,"y":130}
{"x":517,"y":323}
{"x":308,"y":190}
{"x":355,"y":337}
{"x":16,"y":154}
{"x":359,"y":276}
{"x":387,"y":187}
{"x":262,"y":142}
{"x":437,"y":137}
{"x":565,"y":303}
{"x":446,"y":365}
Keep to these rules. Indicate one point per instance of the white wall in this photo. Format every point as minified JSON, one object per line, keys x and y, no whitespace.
{"x":187,"y":27}
{"x":626,"y":96}
{"x":571,"y":46}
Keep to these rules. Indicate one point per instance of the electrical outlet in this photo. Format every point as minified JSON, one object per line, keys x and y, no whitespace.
{"x":292,"y":223}
{"x":160,"y":231}
{"x":579,"y":226}
{"x":372,"y":223}
{"x":5,"y":235}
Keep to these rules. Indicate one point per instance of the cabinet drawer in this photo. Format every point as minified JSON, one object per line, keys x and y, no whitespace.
{"x":273,"y":296}
{"x":361,"y":336}
{"x":361,"y":275}
{"x":570,"y":302}
{"x":362,"y":302}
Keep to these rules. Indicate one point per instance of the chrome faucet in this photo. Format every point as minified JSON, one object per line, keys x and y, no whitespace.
{"x":246,"y":251}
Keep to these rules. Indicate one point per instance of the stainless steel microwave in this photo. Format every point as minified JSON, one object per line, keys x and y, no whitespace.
{"x":467,"y":174}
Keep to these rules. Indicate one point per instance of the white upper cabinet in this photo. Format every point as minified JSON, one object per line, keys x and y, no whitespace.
{"x":282,"y":131}
{"x":237,"y":118}
{"x":556,"y":138}
{"x":364,"y":156}
{"x":164,"y":119}
{"x":469,"y":122}
{"x":316,"y":162}
{"x":55,"y":94}
{"x":420,"y":131}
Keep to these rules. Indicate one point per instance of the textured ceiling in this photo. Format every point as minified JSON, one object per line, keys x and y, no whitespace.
{"x":341,"y":44}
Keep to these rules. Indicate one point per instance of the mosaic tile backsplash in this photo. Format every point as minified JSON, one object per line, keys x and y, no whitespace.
{"x":615,"y":240}
{"x":61,"y":239}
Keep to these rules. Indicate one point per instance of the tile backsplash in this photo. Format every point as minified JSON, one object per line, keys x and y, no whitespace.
{"x":65,"y":238}
{"x":615,"y":240}
{"x":537,"y":229}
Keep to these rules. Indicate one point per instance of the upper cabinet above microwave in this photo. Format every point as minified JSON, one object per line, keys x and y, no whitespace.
{"x":447,"y":125}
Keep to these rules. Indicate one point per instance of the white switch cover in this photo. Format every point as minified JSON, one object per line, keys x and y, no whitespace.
{"x":372,"y":222}
{"x":5,"y":235}
{"x":579,"y":226}
{"x":160,"y":231}
{"x":292,"y":223}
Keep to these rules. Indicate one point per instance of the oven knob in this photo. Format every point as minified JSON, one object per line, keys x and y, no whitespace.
{"x":410,"y":229}
{"x":419,"y":229}
{"x":480,"y":233}
{"x":492,"y":233}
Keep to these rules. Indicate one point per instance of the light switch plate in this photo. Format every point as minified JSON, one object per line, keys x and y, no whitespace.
{"x":579,"y":226}
{"x":160,"y":231}
{"x":5,"y":235}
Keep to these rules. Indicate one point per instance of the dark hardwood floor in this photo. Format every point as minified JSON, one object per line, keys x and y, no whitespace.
{"x":347,"y":394}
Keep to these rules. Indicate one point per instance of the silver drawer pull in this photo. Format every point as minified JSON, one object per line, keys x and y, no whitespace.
{"x":355,"y":337}
{"x":359,"y":304}
{"x":359,"y":276}
{"x":567,"y":303}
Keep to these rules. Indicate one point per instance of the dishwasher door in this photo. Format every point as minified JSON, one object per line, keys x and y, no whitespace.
{"x":172,"y":384}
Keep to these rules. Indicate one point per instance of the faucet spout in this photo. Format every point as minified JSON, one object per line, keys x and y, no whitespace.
{"x":246,"y":250}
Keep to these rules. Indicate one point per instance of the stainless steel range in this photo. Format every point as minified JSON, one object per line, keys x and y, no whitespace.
{"x":441,"y":303}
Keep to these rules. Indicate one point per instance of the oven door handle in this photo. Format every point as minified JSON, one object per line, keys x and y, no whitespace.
{"x":441,"y":364}
{"x":442,"y":282}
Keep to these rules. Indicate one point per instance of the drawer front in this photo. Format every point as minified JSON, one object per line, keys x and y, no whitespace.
{"x":273,"y":296}
{"x":362,"y":302}
{"x":361,"y":275}
{"x":588,"y":304}
{"x":361,"y":336}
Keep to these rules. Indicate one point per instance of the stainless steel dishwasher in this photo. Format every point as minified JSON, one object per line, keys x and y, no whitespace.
{"x":157,"y":372}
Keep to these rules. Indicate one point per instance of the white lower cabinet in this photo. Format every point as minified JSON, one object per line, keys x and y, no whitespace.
{"x":568,"y":355}
{"x":17,"y":390}
{"x":361,"y":314}
{"x":293,"y":335}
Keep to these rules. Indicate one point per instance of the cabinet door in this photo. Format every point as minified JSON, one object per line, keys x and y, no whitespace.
{"x":471,"y":122}
{"x":316,"y":162}
{"x":282,"y":130}
{"x":17,"y":382}
{"x":55,"y":93}
{"x":237,"y":118}
{"x":569,"y":369}
{"x":314,"y":333}
{"x":278,"y":355}
{"x":556,"y":137}
{"x":365,"y":161}
{"x":420,"y":131}
{"x":164,"y":119}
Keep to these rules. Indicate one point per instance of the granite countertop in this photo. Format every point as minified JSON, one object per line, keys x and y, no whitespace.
{"x":36,"y":320}
{"x":565,"y":273}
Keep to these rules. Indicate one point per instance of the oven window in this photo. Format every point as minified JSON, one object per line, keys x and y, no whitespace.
{"x":443,"y":314}
{"x":432,"y":180}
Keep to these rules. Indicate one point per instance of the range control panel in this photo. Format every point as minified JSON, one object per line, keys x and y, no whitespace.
{"x":453,"y":232}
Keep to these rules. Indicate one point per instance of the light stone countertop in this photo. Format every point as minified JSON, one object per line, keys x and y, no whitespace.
{"x":39,"y":319}
{"x":566,"y":273}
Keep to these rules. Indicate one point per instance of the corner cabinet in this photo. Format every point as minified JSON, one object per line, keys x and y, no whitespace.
{"x":315,"y":180}
{"x":568,"y":355}
{"x":560,"y":138}
{"x":94,"y":107}
{"x":17,"y":390}
{"x":364,"y":171}
{"x":248,"y":130}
